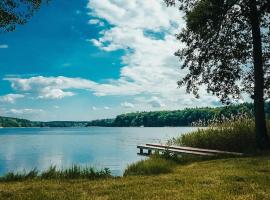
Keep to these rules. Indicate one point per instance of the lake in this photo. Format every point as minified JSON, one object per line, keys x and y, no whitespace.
{"x":114,"y":148}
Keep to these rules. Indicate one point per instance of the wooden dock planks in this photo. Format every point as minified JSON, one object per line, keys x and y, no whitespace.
{"x":182,"y":150}
{"x":196,"y":149}
{"x":163,"y":149}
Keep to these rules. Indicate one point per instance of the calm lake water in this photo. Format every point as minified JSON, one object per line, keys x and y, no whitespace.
{"x":114,"y":148}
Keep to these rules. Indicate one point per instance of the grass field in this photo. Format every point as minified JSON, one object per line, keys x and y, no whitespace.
{"x":235,"y":178}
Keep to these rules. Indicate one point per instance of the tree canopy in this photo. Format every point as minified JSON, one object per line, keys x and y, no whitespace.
{"x":227,"y":49}
{"x":219,"y":48}
{"x":14,"y":12}
{"x":186,"y":117}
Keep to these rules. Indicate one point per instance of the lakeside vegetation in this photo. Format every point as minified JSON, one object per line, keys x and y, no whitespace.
{"x":226,"y":49}
{"x":236,"y":135}
{"x":186,"y":117}
{"x":232,"y":178}
{"x":74,"y":172}
{"x":16,"y":122}
{"x":164,"y":176}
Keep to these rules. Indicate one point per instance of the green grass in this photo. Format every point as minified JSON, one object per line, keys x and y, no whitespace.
{"x":155,"y":165}
{"x":161,"y":177}
{"x":226,"y":179}
{"x":232,"y":135}
{"x":75,"y":172}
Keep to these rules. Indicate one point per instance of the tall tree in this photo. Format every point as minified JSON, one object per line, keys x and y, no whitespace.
{"x":13,"y":12}
{"x":227,"y":48}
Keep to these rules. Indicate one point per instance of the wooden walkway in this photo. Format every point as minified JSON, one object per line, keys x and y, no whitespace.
{"x":150,"y":148}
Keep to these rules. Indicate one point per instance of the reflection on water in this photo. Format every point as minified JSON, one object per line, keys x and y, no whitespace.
{"x":115,"y":148}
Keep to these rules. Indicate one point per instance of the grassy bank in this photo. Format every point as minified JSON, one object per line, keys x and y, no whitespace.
{"x":161,"y":177}
{"x":75,"y":172}
{"x":235,"y":178}
{"x":237,"y":134}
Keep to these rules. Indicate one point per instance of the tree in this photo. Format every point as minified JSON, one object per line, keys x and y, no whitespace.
{"x":13,"y":12}
{"x":227,"y":48}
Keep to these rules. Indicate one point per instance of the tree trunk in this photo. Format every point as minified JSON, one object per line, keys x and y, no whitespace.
{"x":262,"y":138}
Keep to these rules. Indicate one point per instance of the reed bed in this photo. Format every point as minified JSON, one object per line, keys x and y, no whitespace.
{"x":74,"y":172}
{"x":231,"y":134}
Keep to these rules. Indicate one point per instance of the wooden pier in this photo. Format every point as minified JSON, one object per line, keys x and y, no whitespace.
{"x":148,"y":149}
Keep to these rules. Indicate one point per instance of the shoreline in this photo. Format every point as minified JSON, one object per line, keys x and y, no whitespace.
{"x":110,"y":127}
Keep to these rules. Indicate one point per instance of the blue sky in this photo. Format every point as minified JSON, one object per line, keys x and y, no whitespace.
{"x":90,"y":59}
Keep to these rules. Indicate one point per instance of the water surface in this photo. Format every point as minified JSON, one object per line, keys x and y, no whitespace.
{"x":114,"y":148}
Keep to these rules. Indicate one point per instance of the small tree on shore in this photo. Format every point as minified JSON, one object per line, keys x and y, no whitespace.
{"x":228,"y":50}
{"x":13,"y":12}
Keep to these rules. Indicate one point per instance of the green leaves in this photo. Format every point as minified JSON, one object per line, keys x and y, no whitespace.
{"x":13,"y":12}
{"x":218,"y":46}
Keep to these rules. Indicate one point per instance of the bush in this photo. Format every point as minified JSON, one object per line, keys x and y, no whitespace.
{"x":232,"y":135}
{"x":152,"y":166}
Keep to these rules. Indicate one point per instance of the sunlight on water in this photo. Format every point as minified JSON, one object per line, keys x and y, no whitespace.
{"x":114,"y":148}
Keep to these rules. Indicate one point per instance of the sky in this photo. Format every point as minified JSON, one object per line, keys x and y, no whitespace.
{"x":93,"y":59}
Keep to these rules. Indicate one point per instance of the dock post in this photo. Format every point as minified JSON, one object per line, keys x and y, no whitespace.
{"x":141,"y":150}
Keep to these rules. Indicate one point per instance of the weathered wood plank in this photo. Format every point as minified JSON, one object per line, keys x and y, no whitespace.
{"x":177,"y":151}
{"x":196,"y":149}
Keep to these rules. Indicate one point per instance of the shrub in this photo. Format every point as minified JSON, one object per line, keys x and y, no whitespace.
{"x":231,"y":135}
{"x":152,"y":166}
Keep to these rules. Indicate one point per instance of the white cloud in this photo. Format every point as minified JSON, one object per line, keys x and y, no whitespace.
{"x":145,"y":30}
{"x":50,"y":87}
{"x":107,"y":108}
{"x":151,"y":14}
{"x":3,"y":46}
{"x":127,"y":105}
{"x":155,"y":102}
{"x":49,"y":93}
{"x":10,"y":98}
{"x":24,"y":111}
{"x":96,"y":22}
{"x":150,"y":67}
{"x":56,"y":107}
{"x":94,"y":108}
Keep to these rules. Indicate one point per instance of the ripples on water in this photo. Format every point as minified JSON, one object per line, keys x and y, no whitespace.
{"x":114,"y":148}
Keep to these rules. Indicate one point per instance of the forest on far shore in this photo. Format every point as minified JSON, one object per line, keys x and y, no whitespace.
{"x":185,"y":117}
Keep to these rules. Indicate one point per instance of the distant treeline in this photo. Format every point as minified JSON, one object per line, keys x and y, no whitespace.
{"x":15,"y":122}
{"x":184,"y":117}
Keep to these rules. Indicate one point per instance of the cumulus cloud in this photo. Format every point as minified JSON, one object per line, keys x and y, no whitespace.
{"x":94,"y":108}
{"x":49,"y":93}
{"x":127,"y":105}
{"x":151,"y":14}
{"x":24,"y":111}
{"x":155,"y":102}
{"x":150,"y":66}
{"x":96,"y":22}
{"x":10,"y":98}
{"x":50,"y":87}
{"x":107,"y":108}
{"x":145,"y":30}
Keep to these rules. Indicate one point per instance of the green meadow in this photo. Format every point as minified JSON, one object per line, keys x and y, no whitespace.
{"x":161,"y":176}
